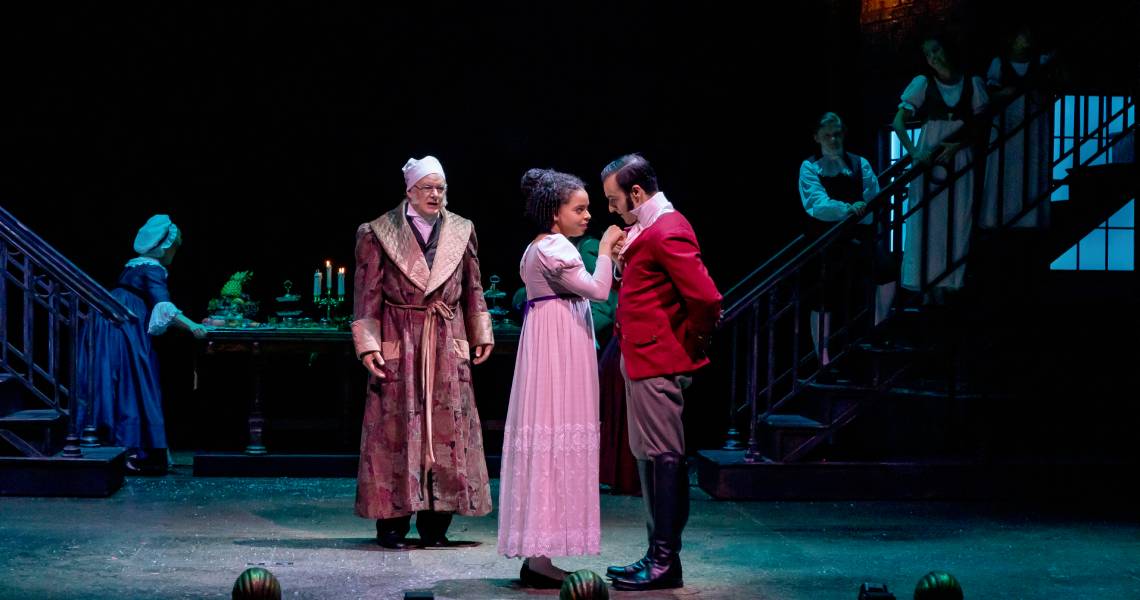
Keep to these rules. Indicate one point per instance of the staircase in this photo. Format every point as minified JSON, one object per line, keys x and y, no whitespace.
{"x":921,"y":404}
{"x":44,"y":303}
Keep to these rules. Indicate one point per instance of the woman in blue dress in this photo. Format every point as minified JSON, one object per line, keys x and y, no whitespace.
{"x":127,"y":403}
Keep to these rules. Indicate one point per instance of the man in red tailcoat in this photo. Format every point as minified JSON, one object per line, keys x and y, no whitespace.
{"x":667,"y":308}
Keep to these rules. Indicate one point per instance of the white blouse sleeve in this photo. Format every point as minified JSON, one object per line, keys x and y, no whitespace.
{"x":870,"y":187}
{"x":993,"y":75}
{"x":563,"y":267}
{"x":161,"y":316}
{"x":870,"y":180}
{"x":815,"y":199}
{"x":981,"y":98}
{"x":914,"y":94}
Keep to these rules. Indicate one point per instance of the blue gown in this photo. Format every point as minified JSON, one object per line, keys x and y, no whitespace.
{"x":126,"y":405}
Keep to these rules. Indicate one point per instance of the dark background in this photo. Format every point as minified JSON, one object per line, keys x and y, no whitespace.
{"x":270,"y":131}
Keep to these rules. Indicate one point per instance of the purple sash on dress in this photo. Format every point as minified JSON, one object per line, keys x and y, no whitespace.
{"x":530,"y":303}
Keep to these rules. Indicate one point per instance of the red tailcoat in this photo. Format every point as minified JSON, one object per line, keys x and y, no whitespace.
{"x":667,"y":304}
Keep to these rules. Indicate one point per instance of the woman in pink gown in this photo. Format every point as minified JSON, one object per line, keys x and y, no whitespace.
{"x":548,"y":496}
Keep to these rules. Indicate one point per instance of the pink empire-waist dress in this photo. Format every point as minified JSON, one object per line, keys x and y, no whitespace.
{"x":548,"y":495}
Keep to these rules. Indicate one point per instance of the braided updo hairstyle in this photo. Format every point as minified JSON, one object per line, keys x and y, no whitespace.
{"x":545,"y":191}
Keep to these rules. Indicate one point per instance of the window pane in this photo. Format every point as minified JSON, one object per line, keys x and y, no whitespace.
{"x":1121,"y":250}
{"x":1067,"y":129}
{"x":1061,"y":170}
{"x":1088,"y":149}
{"x":1115,"y":103}
{"x":1093,"y":120}
{"x":1124,"y":217}
{"x":1092,"y":251}
{"x":1067,"y":261}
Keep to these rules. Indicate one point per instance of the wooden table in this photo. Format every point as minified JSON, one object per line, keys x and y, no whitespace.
{"x":268,"y":340}
{"x":260,"y":341}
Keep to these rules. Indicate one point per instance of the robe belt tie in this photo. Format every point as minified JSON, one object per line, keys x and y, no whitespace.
{"x":434,"y":312}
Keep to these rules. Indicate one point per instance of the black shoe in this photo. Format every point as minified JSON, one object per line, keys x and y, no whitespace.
{"x":627,"y":570}
{"x":440,"y":542}
{"x":539,"y":581}
{"x":393,"y":542}
{"x":432,"y":526}
{"x":661,"y":572}
{"x":134,"y":466}
{"x":390,"y":533}
{"x":144,"y":466}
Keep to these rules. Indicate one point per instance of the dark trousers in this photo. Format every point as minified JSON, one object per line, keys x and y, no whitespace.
{"x":654,"y":406}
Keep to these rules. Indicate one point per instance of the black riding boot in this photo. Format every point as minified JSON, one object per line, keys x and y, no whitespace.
{"x":662,"y":568}
{"x":645,"y":473}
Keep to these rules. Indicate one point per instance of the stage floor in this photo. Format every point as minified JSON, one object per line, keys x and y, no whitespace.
{"x":184,"y":537}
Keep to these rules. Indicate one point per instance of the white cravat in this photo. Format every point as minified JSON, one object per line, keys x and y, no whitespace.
{"x":647,"y":214}
{"x":422,"y":225}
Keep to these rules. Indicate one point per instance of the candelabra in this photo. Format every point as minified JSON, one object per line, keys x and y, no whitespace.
{"x":329,"y":303}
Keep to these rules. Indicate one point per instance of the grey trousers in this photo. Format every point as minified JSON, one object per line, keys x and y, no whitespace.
{"x":653,"y":407}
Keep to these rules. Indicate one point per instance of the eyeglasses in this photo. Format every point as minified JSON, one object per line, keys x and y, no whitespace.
{"x":442,"y":189}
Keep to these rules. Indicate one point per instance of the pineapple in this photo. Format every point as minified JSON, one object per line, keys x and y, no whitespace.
{"x":232,"y":288}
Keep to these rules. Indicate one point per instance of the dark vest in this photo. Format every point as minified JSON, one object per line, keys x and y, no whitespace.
{"x":427,"y":246}
{"x":1010,"y":76}
{"x":934,"y":107}
{"x":843,"y":188}
{"x":1022,"y":83}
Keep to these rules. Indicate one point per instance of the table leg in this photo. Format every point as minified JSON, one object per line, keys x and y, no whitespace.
{"x":256,"y":418}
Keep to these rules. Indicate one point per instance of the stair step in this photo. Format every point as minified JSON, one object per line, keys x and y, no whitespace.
{"x":14,"y":445}
{"x":900,"y":390}
{"x":30,"y":417}
{"x":98,"y":473}
{"x":914,"y":307}
{"x":828,"y":376}
{"x":784,"y":435}
{"x":792,"y":422}
{"x":896,"y":348}
{"x":727,"y":475}
{"x":843,"y":385}
{"x":934,"y":392}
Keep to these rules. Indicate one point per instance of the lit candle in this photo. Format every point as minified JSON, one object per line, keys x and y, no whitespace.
{"x":316,"y":284}
{"x":328,"y":275}
{"x":340,"y":282}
